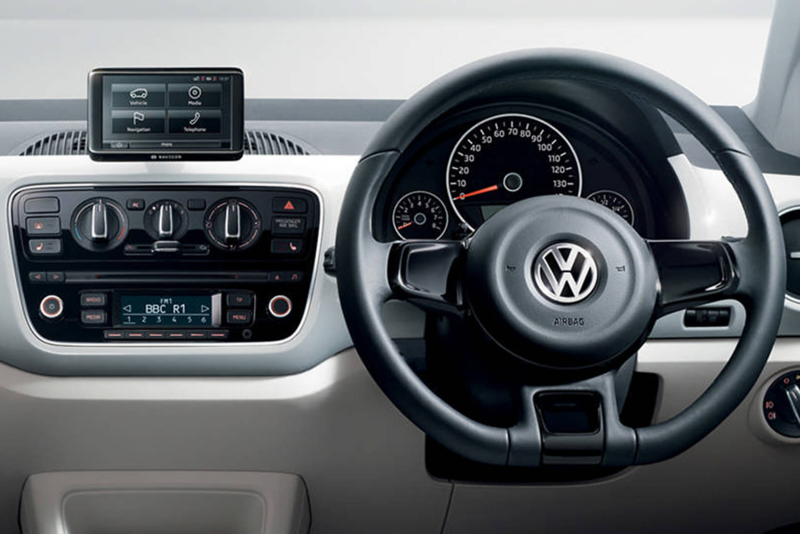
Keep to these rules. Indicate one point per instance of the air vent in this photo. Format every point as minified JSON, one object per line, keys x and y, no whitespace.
{"x":71,"y":143}
{"x":790,"y":221}
{"x":267,"y":144}
{"x":256,"y":142}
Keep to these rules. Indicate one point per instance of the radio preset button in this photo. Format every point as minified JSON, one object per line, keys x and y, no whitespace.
{"x":51,"y":307}
{"x":93,"y":300}
{"x":218,"y":334}
{"x":113,"y":334}
{"x":93,"y":317}
{"x":280,"y":306}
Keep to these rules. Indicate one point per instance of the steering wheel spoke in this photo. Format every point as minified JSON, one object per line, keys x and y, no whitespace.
{"x":576,"y":424}
{"x":692,"y":273}
{"x":427,"y":273}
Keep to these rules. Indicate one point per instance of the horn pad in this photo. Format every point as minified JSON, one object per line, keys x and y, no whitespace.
{"x":561,"y":282}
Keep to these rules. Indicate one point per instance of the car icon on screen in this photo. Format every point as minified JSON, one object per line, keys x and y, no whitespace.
{"x":141,"y":92}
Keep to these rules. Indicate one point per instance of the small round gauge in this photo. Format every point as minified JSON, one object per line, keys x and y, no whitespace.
{"x":615,"y":202}
{"x":420,"y":215}
{"x":507,"y":158}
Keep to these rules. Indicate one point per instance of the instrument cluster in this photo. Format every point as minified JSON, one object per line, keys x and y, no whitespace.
{"x":474,"y":164}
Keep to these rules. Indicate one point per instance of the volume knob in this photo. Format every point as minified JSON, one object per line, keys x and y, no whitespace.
{"x":99,"y":224}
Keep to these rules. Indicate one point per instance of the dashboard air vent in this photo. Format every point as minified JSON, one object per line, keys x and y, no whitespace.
{"x":256,"y":142}
{"x":268,"y":144}
{"x":72,"y":143}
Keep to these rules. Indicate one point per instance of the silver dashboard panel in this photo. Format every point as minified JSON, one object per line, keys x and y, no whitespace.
{"x":322,"y":334}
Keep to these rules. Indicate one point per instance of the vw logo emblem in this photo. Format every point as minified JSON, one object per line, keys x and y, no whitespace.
{"x":565,"y":273}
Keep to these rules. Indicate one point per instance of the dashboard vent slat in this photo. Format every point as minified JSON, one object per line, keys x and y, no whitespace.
{"x":69,"y":143}
{"x":73,"y":143}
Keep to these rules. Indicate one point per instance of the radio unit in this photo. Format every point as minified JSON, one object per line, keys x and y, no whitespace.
{"x":101,"y":264}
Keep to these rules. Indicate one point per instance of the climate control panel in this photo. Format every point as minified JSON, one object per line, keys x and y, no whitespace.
{"x":102,"y":264}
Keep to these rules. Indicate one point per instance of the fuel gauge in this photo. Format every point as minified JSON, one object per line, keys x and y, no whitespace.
{"x":420,"y":215}
{"x":615,"y":202}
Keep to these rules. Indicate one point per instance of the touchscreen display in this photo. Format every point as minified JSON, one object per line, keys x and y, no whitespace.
{"x":166,"y":115}
{"x":159,"y":311}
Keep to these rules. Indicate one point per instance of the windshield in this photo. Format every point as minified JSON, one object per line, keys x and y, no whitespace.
{"x":367,"y":49}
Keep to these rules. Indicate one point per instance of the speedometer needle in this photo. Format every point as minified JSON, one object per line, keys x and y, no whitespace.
{"x":478,"y":192}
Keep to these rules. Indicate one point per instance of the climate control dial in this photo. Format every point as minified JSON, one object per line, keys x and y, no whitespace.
{"x":232,"y":224}
{"x":99,"y":224}
{"x":166,"y":220}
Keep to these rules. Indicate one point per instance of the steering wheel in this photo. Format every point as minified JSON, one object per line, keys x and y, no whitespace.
{"x":561,"y":282}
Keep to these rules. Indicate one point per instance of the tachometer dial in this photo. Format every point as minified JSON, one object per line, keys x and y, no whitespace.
{"x":507,"y":158}
{"x":615,"y":202}
{"x":420,"y":215}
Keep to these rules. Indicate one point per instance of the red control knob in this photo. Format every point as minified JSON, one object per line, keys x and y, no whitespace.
{"x":51,"y":307}
{"x":280,"y":306}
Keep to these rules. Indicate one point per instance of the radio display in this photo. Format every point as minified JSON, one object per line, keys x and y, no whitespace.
{"x":164,"y":115}
{"x":173,"y":311}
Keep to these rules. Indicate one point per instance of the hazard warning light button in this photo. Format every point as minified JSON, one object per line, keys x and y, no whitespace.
{"x":289,"y":205}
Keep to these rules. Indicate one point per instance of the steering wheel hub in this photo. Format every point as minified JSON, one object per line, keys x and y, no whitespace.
{"x":566,"y":273}
{"x":561,"y":282}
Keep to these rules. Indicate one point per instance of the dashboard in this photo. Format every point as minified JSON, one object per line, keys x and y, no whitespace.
{"x":137,"y":253}
{"x":168,"y":237}
{"x":168,"y":317}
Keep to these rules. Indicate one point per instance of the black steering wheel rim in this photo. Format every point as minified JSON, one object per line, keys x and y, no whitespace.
{"x":362,"y":262}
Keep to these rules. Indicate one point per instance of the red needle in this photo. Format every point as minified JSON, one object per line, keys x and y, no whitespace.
{"x":478,"y":192}
{"x":406,"y":225}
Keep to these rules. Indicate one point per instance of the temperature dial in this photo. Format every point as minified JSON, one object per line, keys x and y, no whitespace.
{"x":166,"y":219}
{"x":232,"y":224}
{"x":420,"y":215}
{"x":781,"y":406}
{"x":99,"y":224}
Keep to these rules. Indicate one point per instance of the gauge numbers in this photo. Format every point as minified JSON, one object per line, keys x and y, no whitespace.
{"x":420,"y":215}
{"x":507,"y":158}
{"x":615,"y":202}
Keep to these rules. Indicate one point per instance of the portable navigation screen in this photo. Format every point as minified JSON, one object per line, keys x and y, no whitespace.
{"x":163,"y":115}
{"x":167,"y":311}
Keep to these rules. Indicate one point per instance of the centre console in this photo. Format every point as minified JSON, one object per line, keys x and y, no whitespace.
{"x":165,"y":264}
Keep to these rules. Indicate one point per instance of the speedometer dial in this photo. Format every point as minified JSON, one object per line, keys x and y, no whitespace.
{"x":507,"y":158}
